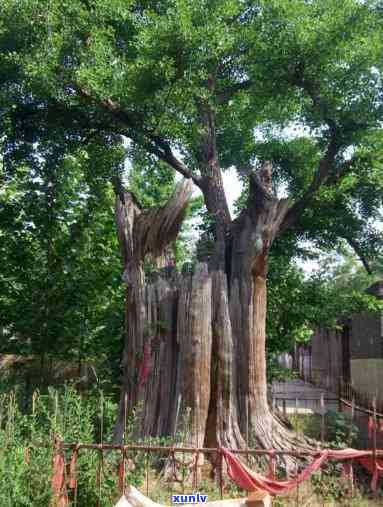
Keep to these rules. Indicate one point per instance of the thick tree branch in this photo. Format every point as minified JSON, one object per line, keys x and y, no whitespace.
{"x":211,"y":181}
{"x":334,"y":179}
{"x":162,"y":149}
{"x":321,"y":176}
{"x":227,"y":93}
{"x":313,"y":91}
{"x":354,"y":245}
{"x":260,"y":188}
{"x":325,"y":174}
{"x":263,"y":206}
{"x":150,"y":141}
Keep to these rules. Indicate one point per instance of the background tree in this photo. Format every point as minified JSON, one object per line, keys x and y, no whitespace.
{"x":61,"y":294}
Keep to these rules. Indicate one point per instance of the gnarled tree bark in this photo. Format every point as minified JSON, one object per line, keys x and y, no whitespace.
{"x":198,"y":341}
{"x":237,"y":272}
{"x":252,"y":237}
{"x":211,"y":353}
{"x":144,"y":233}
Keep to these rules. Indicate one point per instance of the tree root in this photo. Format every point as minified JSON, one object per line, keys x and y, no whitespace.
{"x":270,"y":432}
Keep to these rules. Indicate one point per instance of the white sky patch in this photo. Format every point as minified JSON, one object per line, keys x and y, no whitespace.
{"x":309,"y":266}
{"x":231,"y":183}
{"x":233,"y":187}
{"x":291,"y":131}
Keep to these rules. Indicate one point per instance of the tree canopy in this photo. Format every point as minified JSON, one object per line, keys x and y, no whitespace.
{"x":60,"y":277}
{"x":160,"y":73}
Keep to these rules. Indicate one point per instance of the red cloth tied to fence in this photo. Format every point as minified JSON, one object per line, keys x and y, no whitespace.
{"x":252,"y":481}
{"x":58,"y":481}
{"x":145,"y":367}
{"x":121,"y":473}
{"x":375,"y":467}
{"x":272,"y":466}
{"x":371,"y":426}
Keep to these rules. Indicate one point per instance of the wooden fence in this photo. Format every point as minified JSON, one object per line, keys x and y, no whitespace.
{"x":194,"y":460}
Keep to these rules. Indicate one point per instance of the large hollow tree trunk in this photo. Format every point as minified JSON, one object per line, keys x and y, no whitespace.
{"x":223,"y":428}
{"x":195,"y":351}
{"x":195,"y":342}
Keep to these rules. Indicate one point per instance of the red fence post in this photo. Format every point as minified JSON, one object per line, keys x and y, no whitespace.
{"x":221,"y":474}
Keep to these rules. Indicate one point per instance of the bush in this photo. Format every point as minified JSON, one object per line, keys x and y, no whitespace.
{"x":27,"y":445}
{"x":341,"y":431}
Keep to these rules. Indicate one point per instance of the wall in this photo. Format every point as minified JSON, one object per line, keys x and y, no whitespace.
{"x":327,"y":359}
{"x":353,"y":354}
{"x":367,"y":377}
{"x":366,"y":336}
{"x":366,"y":350}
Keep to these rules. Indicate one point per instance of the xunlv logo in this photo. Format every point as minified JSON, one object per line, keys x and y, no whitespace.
{"x":196,"y":498}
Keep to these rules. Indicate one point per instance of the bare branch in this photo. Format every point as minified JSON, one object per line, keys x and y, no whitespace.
{"x":156,"y":228}
{"x":143,"y":232}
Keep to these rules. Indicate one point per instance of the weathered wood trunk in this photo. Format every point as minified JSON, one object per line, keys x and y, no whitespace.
{"x":198,"y":341}
{"x":143,"y":234}
{"x":179,"y":312}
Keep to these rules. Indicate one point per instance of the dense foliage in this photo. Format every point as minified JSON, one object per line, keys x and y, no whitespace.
{"x":95,"y":96}
{"x":86,"y":84}
{"x":60,"y":275}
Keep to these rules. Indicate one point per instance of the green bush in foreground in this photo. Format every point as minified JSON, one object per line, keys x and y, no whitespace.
{"x":27,"y":440}
{"x":27,"y":446}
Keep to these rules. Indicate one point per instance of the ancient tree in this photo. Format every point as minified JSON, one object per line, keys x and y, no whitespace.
{"x":191,"y":84}
{"x":199,"y":341}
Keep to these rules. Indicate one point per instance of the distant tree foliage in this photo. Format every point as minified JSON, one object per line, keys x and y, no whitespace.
{"x":61,"y":292}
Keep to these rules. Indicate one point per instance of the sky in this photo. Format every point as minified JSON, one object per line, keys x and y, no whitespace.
{"x":232,"y":185}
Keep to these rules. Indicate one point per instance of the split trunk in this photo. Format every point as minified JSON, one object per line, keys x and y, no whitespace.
{"x":195,"y":350}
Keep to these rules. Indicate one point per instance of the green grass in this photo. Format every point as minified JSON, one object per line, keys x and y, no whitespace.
{"x":27,"y":447}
